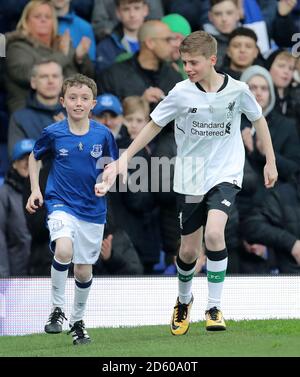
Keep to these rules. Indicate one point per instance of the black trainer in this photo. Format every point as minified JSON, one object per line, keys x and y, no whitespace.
{"x":79,"y":333}
{"x":55,"y":321}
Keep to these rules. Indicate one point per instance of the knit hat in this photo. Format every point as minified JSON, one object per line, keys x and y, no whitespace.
{"x":256,"y":70}
{"x":177,"y":24}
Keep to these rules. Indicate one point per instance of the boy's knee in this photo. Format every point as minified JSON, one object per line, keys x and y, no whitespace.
{"x":63,"y":250}
{"x":189,"y":254}
{"x":213,"y":237}
{"x":82,"y":273}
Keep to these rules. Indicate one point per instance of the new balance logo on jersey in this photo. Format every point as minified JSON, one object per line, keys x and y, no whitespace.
{"x":63,"y":152}
{"x":226,"y":203}
{"x":192,"y":110}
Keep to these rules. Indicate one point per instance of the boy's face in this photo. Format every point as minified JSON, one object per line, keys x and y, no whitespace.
{"x":224,"y":16}
{"x":135,"y":122}
{"x":132,"y":15}
{"x":197,"y":67}
{"x":260,"y":88}
{"x":48,"y":80}
{"x":282,"y":71}
{"x":78,"y":102}
{"x":242,"y":52}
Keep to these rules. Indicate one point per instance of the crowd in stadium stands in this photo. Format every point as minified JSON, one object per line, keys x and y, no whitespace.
{"x":131,"y":49}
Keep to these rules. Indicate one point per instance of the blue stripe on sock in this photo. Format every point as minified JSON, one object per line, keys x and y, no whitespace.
{"x":59,"y":266}
{"x":83,"y":285}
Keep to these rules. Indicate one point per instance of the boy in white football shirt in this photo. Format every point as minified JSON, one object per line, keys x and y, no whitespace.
{"x":207,"y":109}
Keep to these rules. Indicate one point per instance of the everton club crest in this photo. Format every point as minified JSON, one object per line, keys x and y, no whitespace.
{"x":96,"y":151}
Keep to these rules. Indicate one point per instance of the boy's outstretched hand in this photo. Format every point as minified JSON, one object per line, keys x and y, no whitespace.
{"x":270,"y":175}
{"x":109,"y":176}
{"x":101,"y":188}
{"x":35,"y":201}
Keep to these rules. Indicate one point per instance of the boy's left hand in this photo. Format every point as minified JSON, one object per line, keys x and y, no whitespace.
{"x":270,"y":175}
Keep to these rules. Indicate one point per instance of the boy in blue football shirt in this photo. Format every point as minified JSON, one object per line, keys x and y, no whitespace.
{"x":79,"y":147}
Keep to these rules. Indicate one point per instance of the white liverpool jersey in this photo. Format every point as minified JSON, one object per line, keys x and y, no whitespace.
{"x":210,"y":149}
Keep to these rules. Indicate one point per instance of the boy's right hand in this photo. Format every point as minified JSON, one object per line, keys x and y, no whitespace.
{"x":109,"y":176}
{"x":35,"y":201}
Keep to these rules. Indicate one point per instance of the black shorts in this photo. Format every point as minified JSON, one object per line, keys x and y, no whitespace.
{"x":193,"y":210}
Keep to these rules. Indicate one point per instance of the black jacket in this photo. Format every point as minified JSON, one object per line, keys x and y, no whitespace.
{"x":124,"y":259}
{"x":14,"y":235}
{"x":137,"y":212}
{"x":286,"y":147}
{"x":276,"y":224}
{"x":129,"y":79}
{"x":29,"y":122}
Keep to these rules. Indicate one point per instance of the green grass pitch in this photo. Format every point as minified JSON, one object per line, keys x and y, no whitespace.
{"x":242,"y":338}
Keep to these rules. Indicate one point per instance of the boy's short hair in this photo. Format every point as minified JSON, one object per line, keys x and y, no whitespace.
{"x":199,"y":42}
{"x":242,"y":32}
{"x":212,"y":3}
{"x":121,"y":2}
{"x":133,"y":103}
{"x":78,"y":80}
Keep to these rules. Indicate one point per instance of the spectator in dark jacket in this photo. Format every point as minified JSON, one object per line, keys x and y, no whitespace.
{"x":14,"y":235}
{"x":40,"y":255}
{"x":124,"y":37}
{"x":282,"y":129}
{"x":104,"y":17}
{"x":118,"y":255}
{"x":146,"y":74}
{"x":276,"y":224}
{"x":43,"y":106}
{"x":165,"y":152}
{"x":138,"y":213}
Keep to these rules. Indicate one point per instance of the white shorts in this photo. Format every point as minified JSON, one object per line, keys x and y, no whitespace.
{"x":86,"y":237}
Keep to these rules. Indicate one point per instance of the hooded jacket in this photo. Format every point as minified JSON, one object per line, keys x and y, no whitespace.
{"x":283,"y":132}
{"x":256,"y":70}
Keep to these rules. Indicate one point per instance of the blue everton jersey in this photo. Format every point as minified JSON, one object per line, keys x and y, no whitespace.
{"x":78,"y":160}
